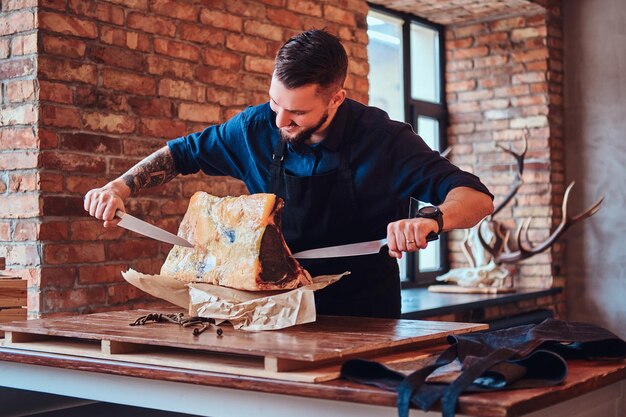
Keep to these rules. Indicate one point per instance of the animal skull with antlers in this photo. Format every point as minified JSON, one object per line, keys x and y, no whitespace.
{"x":490,"y":270}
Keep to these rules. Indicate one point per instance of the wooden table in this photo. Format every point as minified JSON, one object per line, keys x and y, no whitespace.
{"x":592,"y":389}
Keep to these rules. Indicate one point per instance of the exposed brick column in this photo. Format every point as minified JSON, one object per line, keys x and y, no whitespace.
{"x":19,"y":177}
{"x":114,"y":81}
{"x":504,"y":77}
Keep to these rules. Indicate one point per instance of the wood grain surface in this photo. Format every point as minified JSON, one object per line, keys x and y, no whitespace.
{"x":12,"y":292}
{"x":327,"y":338}
{"x":583,"y":377}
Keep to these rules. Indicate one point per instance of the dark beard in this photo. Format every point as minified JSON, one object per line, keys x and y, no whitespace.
{"x":305,"y":134}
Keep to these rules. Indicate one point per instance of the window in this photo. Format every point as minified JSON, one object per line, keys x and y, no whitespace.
{"x":406,"y":80}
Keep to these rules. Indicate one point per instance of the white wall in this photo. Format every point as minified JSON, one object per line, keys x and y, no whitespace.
{"x":595,"y":132}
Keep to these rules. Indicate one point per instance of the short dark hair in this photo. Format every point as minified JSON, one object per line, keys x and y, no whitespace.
{"x":312,"y":57}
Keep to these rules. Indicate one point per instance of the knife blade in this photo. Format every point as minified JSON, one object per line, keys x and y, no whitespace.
{"x":144,"y":228}
{"x":352,"y":249}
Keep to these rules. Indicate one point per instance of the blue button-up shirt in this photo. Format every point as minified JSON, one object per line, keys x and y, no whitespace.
{"x":388,"y":160}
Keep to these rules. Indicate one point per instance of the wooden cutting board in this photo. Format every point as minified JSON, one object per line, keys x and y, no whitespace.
{"x":310,"y":352}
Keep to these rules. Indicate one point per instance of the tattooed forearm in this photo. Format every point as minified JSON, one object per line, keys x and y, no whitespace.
{"x":154,"y":170}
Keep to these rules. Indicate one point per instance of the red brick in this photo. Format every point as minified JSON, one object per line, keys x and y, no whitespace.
{"x":176,"y":49}
{"x":8,"y":5}
{"x":98,"y":144}
{"x":5,"y":231}
{"x":161,"y":128}
{"x":63,"y":277}
{"x":128,"y":82}
{"x":22,"y":182}
{"x":17,"y":138}
{"x":98,"y":10}
{"x":169,"y":67}
{"x":118,"y":58}
{"x":63,"y":46}
{"x":529,"y":77}
{"x":18,"y":160}
{"x":127,"y":39}
{"x":53,"y":231}
{"x":508,"y":24}
{"x":218,"y":76}
{"x":16,"y":68}
{"x":151,"y":24}
{"x":131,"y":249}
{"x":65,"y":253}
{"x":23,"y":44}
{"x":62,"y":69}
{"x":469,"y":52}
{"x":264,"y":30}
{"x":256,"y":64}
{"x":199,"y":112}
{"x":255,"y":83}
{"x":471,"y":30}
{"x":77,"y":184}
{"x":246,"y":44}
{"x":151,"y":107}
{"x":226,"y":97}
{"x":67,"y":25}
{"x":57,"y":92}
{"x":109,"y":123}
{"x":493,"y":61}
{"x":459,"y":43}
{"x":26,"y":231}
{"x":124,"y":293}
{"x":92,"y":229}
{"x":525,"y":33}
{"x":518,"y":90}
{"x":22,"y":254}
{"x":202,"y":35}
{"x":17,"y":22}
{"x":181,"y":89}
{"x":19,"y":206}
{"x":60,"y":116}
{"x":101,"y":273}
{"x":246,"y":8}
{"x":221,"y":58}
{"x":221,"y":20}
{"x":73,"y":162}
{"x":532,"y":55}
{"x":175,"y":10}
{"x":53,"y":205}
{"x":71,"y":299}
{"x":307,"y":7}
{"x":335,"y":14}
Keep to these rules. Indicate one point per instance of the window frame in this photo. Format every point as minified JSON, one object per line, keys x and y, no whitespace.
{"x":413,"y":108}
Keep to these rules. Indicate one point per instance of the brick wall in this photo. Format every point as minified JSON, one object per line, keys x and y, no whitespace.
{"x":115,"y":79}
{"x":19,"y":177}
{"x":504,"y":77}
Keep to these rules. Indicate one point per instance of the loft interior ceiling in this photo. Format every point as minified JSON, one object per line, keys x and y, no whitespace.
{"x":457,"y":12}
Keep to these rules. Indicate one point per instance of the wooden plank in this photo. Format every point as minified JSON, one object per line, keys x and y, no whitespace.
{"x":12,"y":314}
{"x":111,"y":347}
{"x":12,"y":292}
{"x":2,"y":264}
{"x":328,"y":338}
{"x":19,"y":337}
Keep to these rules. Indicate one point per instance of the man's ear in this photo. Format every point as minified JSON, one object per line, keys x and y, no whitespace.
{"x":337,"y":98}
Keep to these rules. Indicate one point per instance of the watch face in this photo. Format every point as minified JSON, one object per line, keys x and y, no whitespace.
{"x":428,"y":210}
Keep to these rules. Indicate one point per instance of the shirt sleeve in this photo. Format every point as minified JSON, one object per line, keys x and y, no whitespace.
{"x":216,"y":150}
{"x":423,"y":173}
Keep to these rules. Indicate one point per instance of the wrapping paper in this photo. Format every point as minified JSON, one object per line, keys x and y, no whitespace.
{"x":247,"y":310}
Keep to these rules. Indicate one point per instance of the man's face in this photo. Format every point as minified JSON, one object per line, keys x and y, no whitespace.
{"x":300,"y":112}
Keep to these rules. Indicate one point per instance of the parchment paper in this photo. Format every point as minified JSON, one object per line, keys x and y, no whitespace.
{"x":247,"y":310}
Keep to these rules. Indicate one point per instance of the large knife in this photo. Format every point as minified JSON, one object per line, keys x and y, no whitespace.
{"x":352,"y":249}
{"x":133,"y":223}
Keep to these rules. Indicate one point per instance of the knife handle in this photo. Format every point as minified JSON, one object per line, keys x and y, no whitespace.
{"x":119,"y":213}
{"x":432,"y":236}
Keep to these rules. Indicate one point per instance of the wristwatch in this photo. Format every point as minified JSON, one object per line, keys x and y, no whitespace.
{"x":432,"y":212}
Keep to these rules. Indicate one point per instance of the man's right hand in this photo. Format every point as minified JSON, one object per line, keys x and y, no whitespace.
{"x":102,"y":203}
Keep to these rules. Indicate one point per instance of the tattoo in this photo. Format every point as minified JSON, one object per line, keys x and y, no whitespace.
{"x":154,"y":170}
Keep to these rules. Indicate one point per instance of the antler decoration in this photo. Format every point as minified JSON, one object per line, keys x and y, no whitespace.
{"x":499,"y":249}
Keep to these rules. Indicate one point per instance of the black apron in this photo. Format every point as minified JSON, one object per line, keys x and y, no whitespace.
{"x":526,"y":356}
{"x":322,"y":210}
